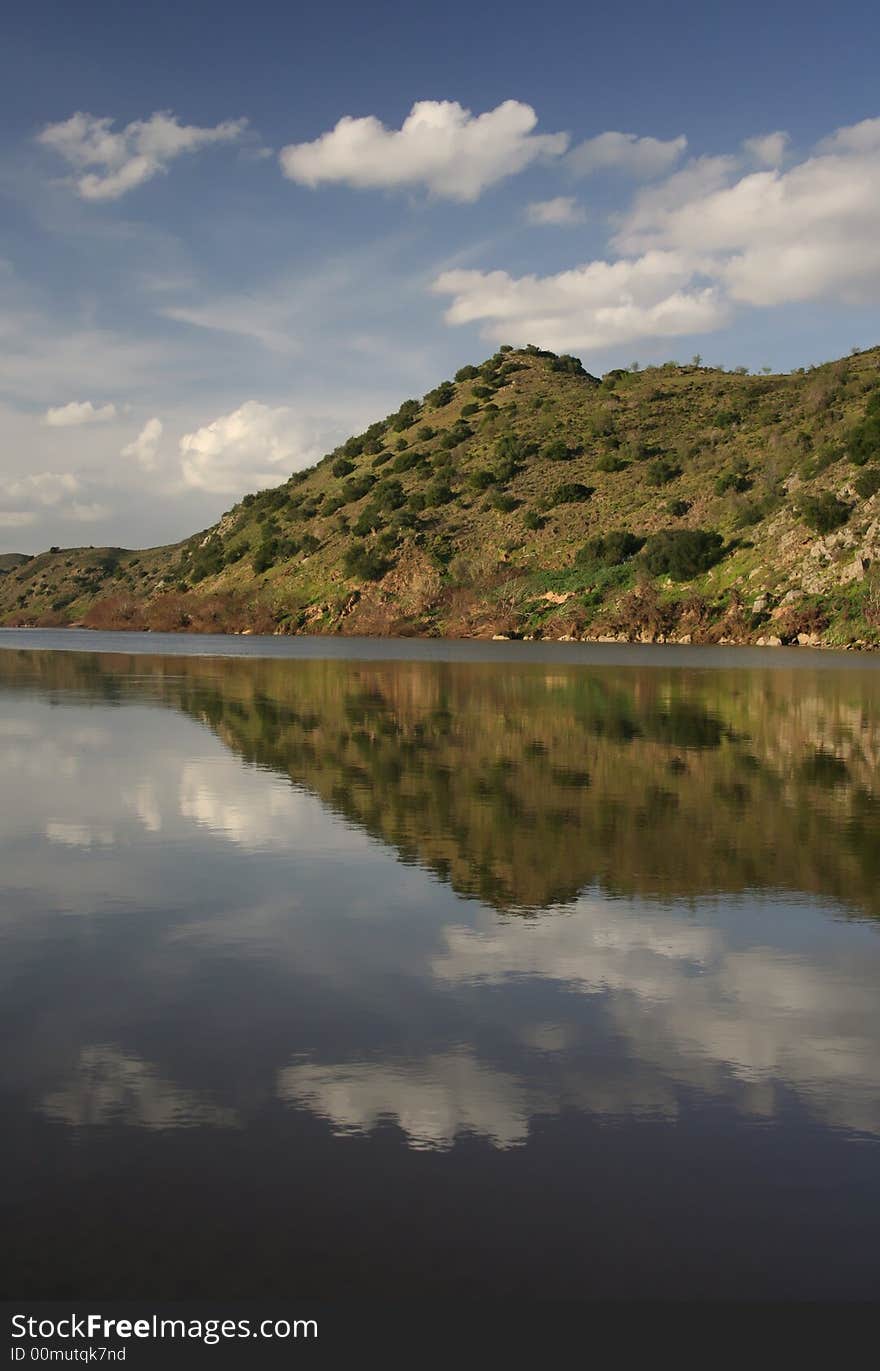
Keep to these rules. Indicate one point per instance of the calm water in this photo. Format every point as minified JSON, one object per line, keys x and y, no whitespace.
{"x":548,"y":974}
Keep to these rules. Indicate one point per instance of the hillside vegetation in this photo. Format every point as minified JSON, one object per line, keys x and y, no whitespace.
{"x":527,"y":498}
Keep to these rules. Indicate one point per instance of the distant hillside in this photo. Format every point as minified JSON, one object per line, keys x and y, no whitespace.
{"x":10,"y":560}
{"x":530,"y":499}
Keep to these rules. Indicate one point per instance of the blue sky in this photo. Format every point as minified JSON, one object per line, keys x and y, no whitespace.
{"x":206,"y":280}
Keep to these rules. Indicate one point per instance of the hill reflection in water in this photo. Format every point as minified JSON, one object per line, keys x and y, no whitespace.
{"x":345,"y":938}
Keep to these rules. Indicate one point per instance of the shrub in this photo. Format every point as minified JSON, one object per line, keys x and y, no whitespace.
{"x":467,"y":373}
{"x":609,"y":549}
{"x":572,"y":365}
{"x":426,"y":433}
{"x":482,"y":392}
{"x":504,"y":503}
{"x":441,"y":395}
{"x":264,"y":557}
{"x":558,"y":451}
{"x":366,"y":564}
{"x":863,"y":441}
{"x":512,"y":448}
{"x":572,"y":493}
{"x":358,"y":488}
{"x":482,"y":479}
{"x":381,"y":458}
{"x":738,"y":480}
{"x":683,"y":553}
{"x":677,"y":508}
{"x":661,"y":472}
{"x":439,"y":492}
{"x":307,"y":545}
{"x":405,"y":461}
{"x":389,"y":494}
{"x":368,"y":521}
{"x":824,"y":512}
{"x":868,"y":483}
{"x":610,"y":461}
{"x":342,"y":467}
{"x":727,"y":418}
{"x":468,"y":409}
{"x":405,"y":416}
{"x":533,"y":520}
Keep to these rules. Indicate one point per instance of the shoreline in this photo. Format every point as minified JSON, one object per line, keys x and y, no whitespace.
{"x":558,"y":652}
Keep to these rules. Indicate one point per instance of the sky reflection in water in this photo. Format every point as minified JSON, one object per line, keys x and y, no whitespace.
{"x":352,"y":911}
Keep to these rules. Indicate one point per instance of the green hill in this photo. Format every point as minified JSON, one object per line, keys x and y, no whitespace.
{"x":530,"y":499}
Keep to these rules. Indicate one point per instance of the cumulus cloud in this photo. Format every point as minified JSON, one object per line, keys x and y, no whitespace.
{"x":773,"y":237}
{"x":590,"y":306}
{"x":78,"y":412}
{"x":131,"y":156}
{"x":768,"y":149}
{"x":145,"y":446}
{"x":705,"y":239}
{"x":253,"y":447}
{"x":441,"y":145}
{"x":563,"y":210}
{"x":40,"y":488}
{"x":641,"y":158}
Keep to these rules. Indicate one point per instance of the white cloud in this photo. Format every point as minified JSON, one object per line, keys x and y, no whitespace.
{"x":253,"y":447}
{"x":40,"y":488}
{"x":768,"y":149}
{"x":17,"y":518}
{"x":440,"y":145}
{"x":146,"y":445}
{"x":863,"y":137}
{"x":641,"y":158}
{"x":563,"y":210}
{"x":770,"y":237}
{"x":590,"y":306}
{"x":133,"y":155}
{"x":78,"y":412}
{"x":698,"y":243}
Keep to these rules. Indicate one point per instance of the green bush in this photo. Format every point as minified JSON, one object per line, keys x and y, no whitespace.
{"x":307,"y":544}
{"x":868,"y":482}
{"x":438,"y":492}
{"x":369,"y":520}
{"x":662,"y":471}
{"x":467,"y":373}
{"x":364,"y":563}
{"x":358,"y":488}
{"x":468,"y":409}
{"x":737,"y":480}
{"x":441,"y":395}
{"x":610,"y":461}
{"x":405,"y":416}
{"x":863,"y":441}
{"x":342,"y":467}
{"x":533,"y":520}
{"x":572,"y":493}
{"x":609,"y":549}
{"x":505,"y":504}
{"x":824,"y":512}
{"x":426,"y":433}
{"x":572,"y":365}
{"x":677,"y":508}
{"x":558,"y":451}
{"x":389,"y":494}
{"x":683,"y":553}
{"x":482,"y":479}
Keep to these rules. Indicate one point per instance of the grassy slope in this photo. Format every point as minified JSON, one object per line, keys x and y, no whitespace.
{"x":470,"y":563}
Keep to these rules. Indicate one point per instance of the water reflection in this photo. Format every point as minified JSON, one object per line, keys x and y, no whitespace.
{"x":444,"y":909}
